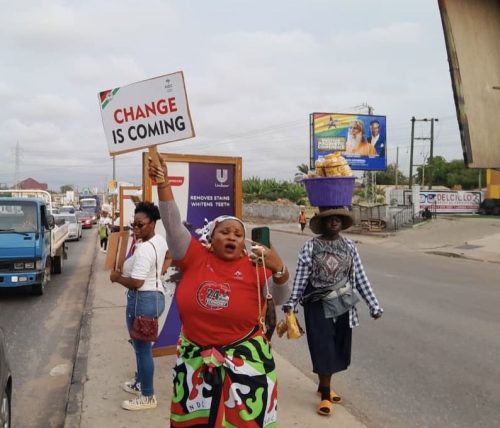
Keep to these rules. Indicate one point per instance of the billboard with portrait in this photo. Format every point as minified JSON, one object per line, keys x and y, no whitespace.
{"x":360,"y":138}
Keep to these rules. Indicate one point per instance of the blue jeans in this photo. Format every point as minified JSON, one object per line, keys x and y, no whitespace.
{"x":147,"y":302}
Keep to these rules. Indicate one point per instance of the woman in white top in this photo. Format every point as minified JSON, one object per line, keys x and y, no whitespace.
{"x":141,"y":275}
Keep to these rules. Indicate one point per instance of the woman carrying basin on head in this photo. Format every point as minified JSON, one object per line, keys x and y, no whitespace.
{"x":328,"y":276}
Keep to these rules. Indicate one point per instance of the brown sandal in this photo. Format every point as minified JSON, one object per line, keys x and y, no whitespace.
{"x":325,"y":408}
{"x":334,"y":397}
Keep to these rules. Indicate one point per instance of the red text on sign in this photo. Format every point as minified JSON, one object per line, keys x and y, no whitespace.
{"x":154,"y":108}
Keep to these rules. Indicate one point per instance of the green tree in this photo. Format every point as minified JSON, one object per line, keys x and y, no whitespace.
{"x":388,"y":176}
{"x":454,"y":173}
{"x":269,"y":189}
{"x":303,"y":168}
{"x":66,"y":188}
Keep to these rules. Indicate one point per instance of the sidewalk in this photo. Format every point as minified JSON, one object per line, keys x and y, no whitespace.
{"x":105,"y":360}
{"x":469,"y":238}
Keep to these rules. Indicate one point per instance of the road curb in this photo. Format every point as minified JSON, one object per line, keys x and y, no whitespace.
{"x":79,"y":375}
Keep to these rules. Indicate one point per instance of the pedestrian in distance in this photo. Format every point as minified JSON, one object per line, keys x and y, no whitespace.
{"x":302,"y":220}
{"x":328,"y":277}
{"x":224,"y":374}
{"x":105,"y":224}
{"x":427,"y":214}
{"x":141,"y":277}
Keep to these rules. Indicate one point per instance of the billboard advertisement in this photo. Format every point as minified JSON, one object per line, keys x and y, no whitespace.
{"x":448,"y":201}
{"x":471,"y":32}
{"x":361,"y":138}
{"x":204,"y":187}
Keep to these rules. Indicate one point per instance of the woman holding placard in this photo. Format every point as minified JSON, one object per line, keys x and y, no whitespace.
{"x":225,"y":373}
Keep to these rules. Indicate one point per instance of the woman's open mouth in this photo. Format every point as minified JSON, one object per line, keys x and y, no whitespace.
{"x":230,"y":248}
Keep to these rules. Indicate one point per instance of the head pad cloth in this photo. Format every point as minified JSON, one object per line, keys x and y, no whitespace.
{"x":208,"y":228}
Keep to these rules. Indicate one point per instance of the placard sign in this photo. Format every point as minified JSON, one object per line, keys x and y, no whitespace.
{"x":204,"y":187}
{"x":146,"y":113}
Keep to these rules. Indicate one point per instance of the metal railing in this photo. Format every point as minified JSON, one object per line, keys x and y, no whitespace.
{"x":403,"y":217}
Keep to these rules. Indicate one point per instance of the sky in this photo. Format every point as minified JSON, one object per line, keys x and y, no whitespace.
{"x":254,"y":72}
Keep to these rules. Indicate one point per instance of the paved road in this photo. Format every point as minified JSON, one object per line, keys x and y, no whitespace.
{"x":432,"y":360}
{"x":42,"y":334}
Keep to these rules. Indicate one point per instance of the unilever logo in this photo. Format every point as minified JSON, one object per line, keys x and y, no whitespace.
{"x":222,"y":176}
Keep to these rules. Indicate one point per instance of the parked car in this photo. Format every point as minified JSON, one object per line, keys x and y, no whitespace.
{"x":5,"y":386}
{"x":85,"y":219}
{"x":67,"y":209}
{"x":490,"y":207}
{"x":74,"y":226}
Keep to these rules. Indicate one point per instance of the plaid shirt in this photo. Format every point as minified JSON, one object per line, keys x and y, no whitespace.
{"x":358,"y":278}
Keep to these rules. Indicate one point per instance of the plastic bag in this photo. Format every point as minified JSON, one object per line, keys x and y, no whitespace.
{"x":290,"y":325}
{"x":294,"y":330}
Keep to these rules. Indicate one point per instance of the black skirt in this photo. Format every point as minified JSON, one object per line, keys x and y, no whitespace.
{"x":329,"y":342}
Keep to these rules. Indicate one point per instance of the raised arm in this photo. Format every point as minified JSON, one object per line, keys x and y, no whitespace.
{"x":178,"y":237}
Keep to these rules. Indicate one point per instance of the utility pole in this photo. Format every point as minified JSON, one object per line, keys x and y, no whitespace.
{"x":431,"y":139}
{"x":410,"y":177}
{"x":370,"y":177}
{"x":114,"y":198}
{"x":397,"y":166}
{"x":431,"y":151}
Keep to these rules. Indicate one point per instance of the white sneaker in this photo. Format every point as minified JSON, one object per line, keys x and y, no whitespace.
{"x":140,"y":403}
{"x":132,"y":387}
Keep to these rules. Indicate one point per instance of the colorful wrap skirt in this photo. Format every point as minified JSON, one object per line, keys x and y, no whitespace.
{"x":230,"y":386}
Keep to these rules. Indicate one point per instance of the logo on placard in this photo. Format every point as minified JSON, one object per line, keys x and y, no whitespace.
{"x":107,"y":96}
{"x":222,"y":176}
{"x":169,"y":85}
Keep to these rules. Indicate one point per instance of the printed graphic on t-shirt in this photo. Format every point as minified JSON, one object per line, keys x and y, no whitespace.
{"x":213,"y":295}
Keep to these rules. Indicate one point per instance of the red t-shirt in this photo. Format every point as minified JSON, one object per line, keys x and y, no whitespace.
{"x":217,"y":299}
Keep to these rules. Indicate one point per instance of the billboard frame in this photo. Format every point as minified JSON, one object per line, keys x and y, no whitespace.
{"x":172,"y":320}
{"x":339,"y":136}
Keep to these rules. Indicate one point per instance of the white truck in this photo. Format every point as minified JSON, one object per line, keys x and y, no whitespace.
{"x":32,"y":246}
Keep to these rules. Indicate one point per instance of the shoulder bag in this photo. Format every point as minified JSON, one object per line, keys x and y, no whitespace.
{"x":144,"y":328}
{"x":268,"y":320}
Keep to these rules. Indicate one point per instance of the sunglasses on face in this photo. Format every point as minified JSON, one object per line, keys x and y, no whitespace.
{"x":138,"y":225}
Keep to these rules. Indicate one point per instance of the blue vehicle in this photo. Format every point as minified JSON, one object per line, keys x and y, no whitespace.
{"x":32,"y":246}
{"x":91,"y":204}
